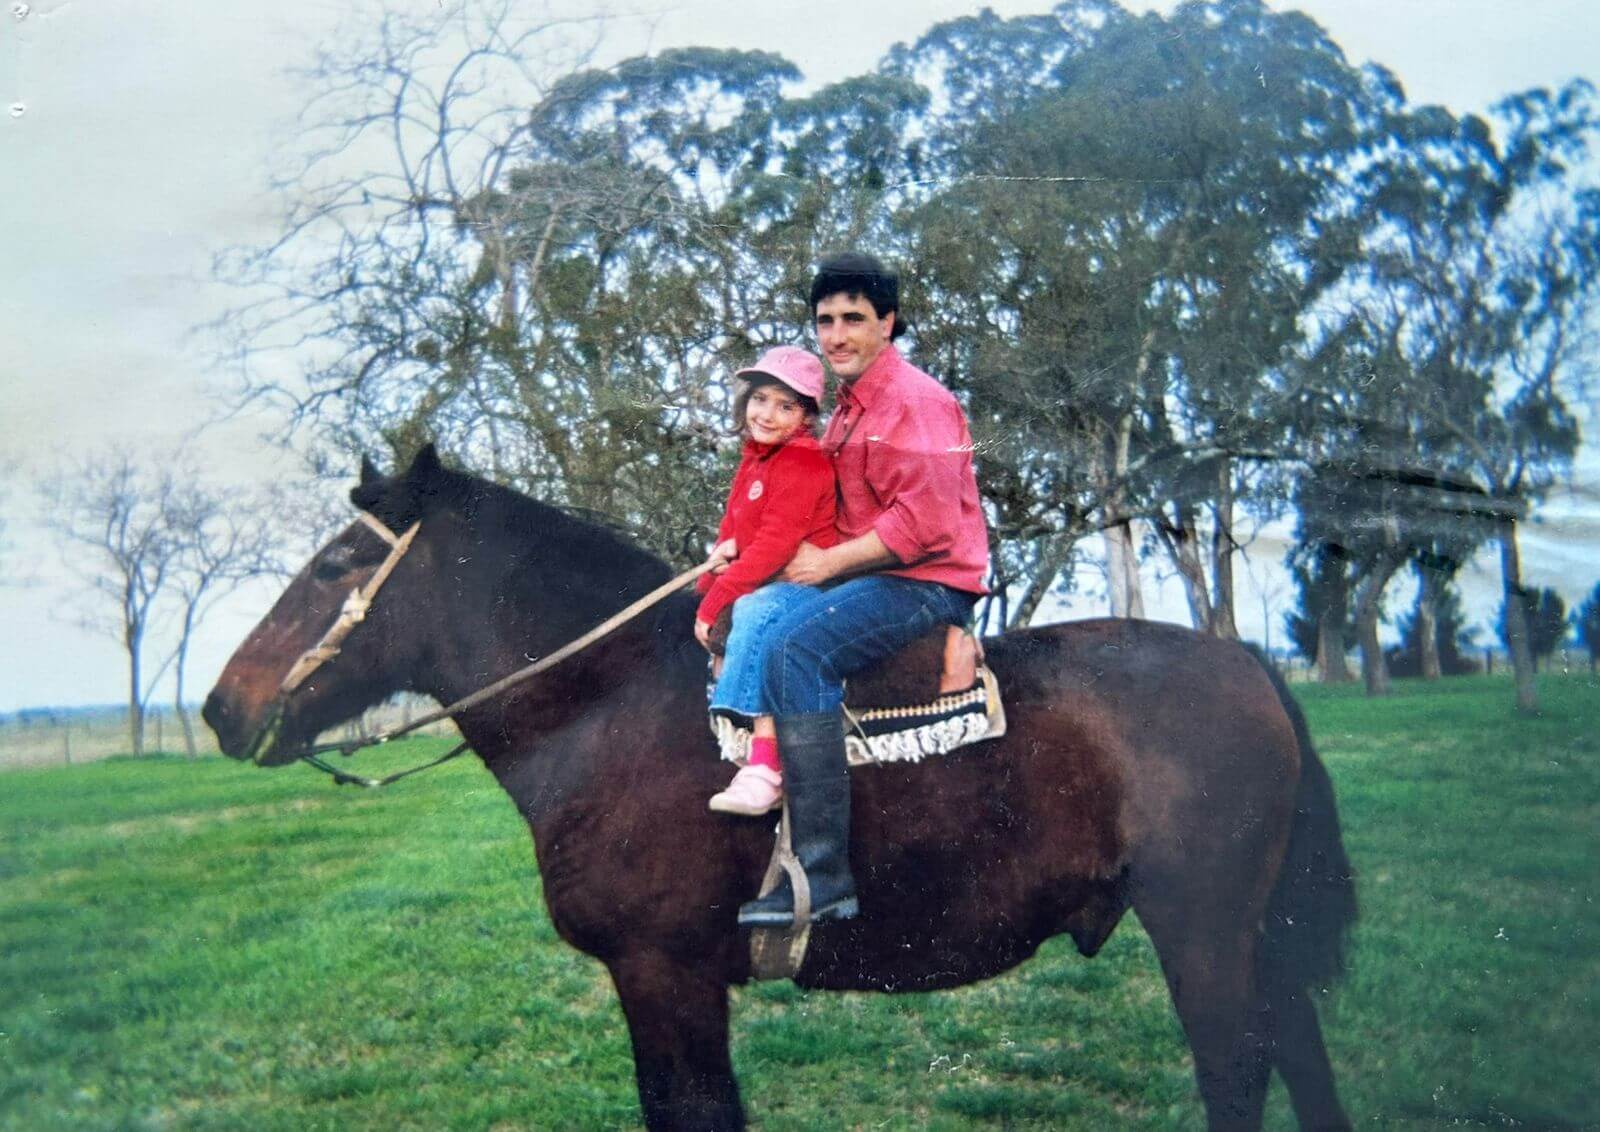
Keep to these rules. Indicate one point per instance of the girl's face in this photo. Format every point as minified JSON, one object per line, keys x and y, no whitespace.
{"x":773,"y":414}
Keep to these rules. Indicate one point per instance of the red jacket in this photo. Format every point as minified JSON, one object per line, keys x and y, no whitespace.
{"x":781,"y":496}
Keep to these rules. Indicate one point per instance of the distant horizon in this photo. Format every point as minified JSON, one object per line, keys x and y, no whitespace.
{"x":1278,"y":652}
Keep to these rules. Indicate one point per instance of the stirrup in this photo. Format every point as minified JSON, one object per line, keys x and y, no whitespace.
{"x":782,"y":916}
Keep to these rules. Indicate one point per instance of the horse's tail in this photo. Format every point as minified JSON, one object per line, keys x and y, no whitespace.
{"x":1314,"y":902}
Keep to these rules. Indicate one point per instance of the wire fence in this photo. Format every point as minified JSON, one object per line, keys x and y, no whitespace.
{"x":67,"y":736}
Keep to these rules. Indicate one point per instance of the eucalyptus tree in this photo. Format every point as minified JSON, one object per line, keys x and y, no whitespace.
{"x":1321,"y":627}
{"x":1376,"y":490}
{"x":1438,"y":556}
{"x":1118,"y":297}
{"x":751,"y":186}
{"x":600,"y":385}
{"x":451,"y":261}
{"x":1483,"y":266}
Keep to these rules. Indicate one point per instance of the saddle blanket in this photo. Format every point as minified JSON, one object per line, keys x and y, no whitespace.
{"x":902,"y":734}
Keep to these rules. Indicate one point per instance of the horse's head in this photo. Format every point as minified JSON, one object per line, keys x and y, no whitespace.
{"x":254,"y":711}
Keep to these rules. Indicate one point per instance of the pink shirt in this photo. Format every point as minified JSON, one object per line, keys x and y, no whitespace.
{"x":903,"y":455}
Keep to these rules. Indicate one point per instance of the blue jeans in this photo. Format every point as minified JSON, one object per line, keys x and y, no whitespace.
{"x":755,"y":614}
{"x":819,"y":637}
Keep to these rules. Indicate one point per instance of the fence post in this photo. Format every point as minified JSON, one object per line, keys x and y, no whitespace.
{"x":66,"y":744}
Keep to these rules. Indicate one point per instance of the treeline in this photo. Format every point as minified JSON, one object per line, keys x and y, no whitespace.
{"x":1436,"y":639}
{"x":154,"y":547}
{"x":1192,"y":273}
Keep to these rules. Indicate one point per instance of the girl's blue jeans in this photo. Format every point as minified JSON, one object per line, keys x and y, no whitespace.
{"x":739,"y":687}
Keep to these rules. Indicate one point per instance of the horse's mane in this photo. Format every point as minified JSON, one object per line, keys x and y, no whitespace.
{"x":496,"y":510}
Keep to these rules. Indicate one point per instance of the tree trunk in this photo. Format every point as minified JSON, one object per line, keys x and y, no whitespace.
{"x":1374,"y":668}
{"x":1369,"y":601}
{"x":1332,"y":665}
{"x":1516,"y":618}
{"x":1222,"y":622}
{"x":177,"y":700}
{"x":1057,"y":550}
{"x":135,"y":700}
{"x":1122,"y":571}
{"x":1429,"y":584}
{"x":1183,"y":547}
{"x":1122,"y":550}
{"x":1332,"y":668}
{"x":1428,"y":639}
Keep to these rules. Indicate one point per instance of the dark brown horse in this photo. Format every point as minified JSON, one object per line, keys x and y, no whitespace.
{"x":1146,"y":767}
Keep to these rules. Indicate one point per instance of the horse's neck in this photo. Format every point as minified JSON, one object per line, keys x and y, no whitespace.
{"x":648,"y":664}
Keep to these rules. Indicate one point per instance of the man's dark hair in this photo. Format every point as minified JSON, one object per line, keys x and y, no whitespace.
{"x":856,"y":273}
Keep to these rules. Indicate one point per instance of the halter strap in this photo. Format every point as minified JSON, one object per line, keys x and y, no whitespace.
{"x":383,"y":532}
{"x":355,"y":607}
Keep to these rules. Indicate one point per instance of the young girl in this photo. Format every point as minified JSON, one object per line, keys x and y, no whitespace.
{"x":782,"y":495}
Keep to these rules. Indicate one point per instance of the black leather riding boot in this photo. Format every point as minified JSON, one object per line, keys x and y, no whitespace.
{"x":815,"y":777}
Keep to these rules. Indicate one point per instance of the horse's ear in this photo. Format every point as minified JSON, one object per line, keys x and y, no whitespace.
{"x":369,"y":471}
{"x":425,"y":466}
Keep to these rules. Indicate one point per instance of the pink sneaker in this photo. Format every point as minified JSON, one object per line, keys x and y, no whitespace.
{"x":754,"y":791}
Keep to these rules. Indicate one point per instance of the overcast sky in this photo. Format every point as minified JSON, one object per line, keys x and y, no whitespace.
{"x":137,"y":140}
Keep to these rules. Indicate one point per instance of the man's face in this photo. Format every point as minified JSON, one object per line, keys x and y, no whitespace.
{"x":850,"y":333}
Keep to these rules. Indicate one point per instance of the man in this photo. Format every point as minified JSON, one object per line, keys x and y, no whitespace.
{"x":912,"y":555}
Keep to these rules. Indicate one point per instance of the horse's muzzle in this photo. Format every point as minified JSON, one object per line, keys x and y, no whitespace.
{"x":240,"y":737}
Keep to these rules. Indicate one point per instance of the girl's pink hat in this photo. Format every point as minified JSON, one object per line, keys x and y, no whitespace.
{"x":800,"y":370}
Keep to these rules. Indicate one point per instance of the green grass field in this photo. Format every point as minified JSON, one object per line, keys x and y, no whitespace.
{"x":207,"y":945}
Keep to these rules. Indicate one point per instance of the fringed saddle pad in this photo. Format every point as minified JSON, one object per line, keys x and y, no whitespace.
{"x":891,"y":735}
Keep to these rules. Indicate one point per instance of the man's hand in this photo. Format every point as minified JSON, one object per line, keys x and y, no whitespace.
{"x":810,"y":566}
{"x":722,"y":554}
{"x":863,"y":554}
{"x":702,"y":633}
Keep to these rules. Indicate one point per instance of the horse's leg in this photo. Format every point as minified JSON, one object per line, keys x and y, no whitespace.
{"x":1209,"y":963}
{"x":1303,"y":1060}
{"x":678,"y":1020}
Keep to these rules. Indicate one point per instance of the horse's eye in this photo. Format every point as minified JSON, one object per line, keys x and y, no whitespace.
{"x":332,"y":566}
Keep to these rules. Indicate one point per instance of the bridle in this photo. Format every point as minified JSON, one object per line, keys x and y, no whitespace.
{"x":354,"y":611}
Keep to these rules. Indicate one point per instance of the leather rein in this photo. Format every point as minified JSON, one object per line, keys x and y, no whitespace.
{"x":354,"y":611}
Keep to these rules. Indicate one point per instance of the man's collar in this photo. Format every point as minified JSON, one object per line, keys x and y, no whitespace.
{"x":866,"y":389}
